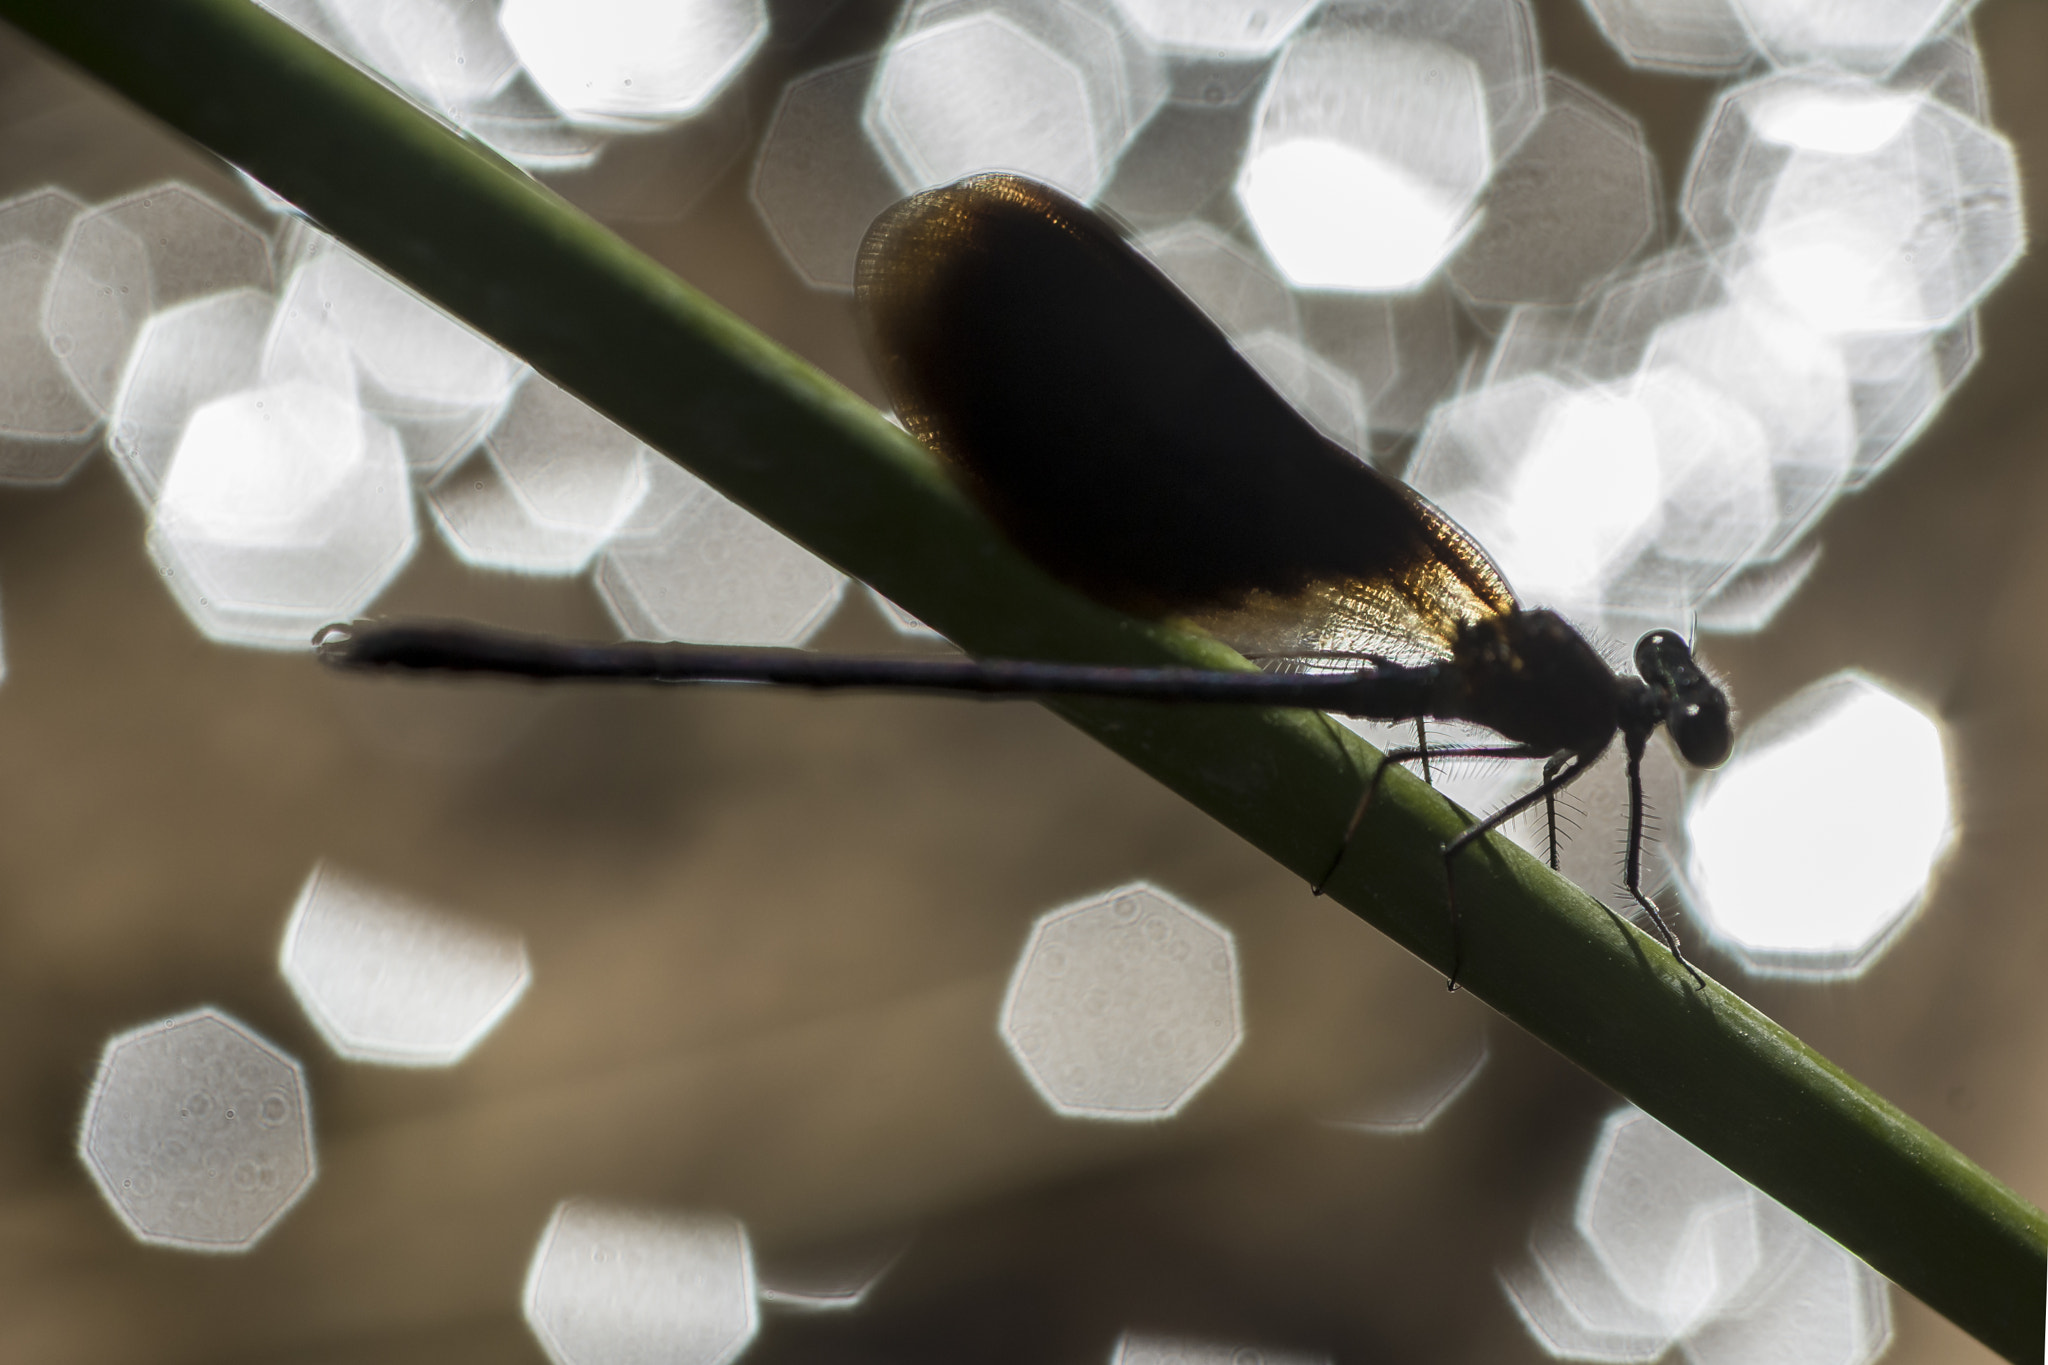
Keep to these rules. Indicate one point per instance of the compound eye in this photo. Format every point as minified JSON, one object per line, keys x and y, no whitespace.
{"x":1699,"y":724}
{"x":1663,"y":657}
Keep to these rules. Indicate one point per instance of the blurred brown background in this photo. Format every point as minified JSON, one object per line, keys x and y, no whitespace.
{"x":770,"y":933}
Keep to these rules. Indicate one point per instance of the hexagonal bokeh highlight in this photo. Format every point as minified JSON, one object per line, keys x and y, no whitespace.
{"x":556,"y":480}
{"x":1951,"y":69}
{"x":1215,"y":27}
{"x":1319,"y":391}
{"x":434,"y":381}
{"x":692,"y":565}
{"x":41,"y":216}
{"x":1123,"y":1006}
{"x":659,"y":176}
{"x":1857,"y":207}
{"x":1053,"y":90}
{"x":1691,"y":37}
{"x":449,"y":53}
{"x":46,"y":425}
{"x":1640,"y":494}
{"x":184,"y":358}
{"x":819,"y":183}
{"x":1749,"y":600}
{"x":1146,"y":1348}
{"x":624,"y":64}
{"x":1899,"y":381}
{"x":1411,"y":1108}
{"x":1668,"y":1249}
{"x":1225,"y":278}
{"x":518,"y":123}
{"x":829,"y":1279}
{"x":1871,"y":36}
{"x":1376,"y":133}
{"x":129,"y":258}
{"x":1813,"y":848}
{"x":1566,"y":211}
{"x":624,"y":1286}
{"x":390,"y":980}
{"x":197,"y":1132}
{"x":1785,"y":400}
{"x":284,"y":508}
{"x":1403,"y":352}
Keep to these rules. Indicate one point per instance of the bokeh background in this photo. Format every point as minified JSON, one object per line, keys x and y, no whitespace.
{"x":770,"y":935}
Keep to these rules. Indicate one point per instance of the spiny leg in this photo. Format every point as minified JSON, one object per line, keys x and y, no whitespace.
{"x":1550,"y":767}
{"x":1559,"y":772}
{"x":1387,"y":761}
{"x":1633,"y":867}
{"x":1422,"y":743}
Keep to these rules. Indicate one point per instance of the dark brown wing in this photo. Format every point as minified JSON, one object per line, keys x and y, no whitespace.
{"x":1119,"y":440}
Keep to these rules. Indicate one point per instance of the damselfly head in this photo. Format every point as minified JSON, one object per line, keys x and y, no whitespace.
{"x":1695,"y":708}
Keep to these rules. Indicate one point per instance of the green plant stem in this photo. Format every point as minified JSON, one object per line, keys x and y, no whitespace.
{"x":491,"y":245}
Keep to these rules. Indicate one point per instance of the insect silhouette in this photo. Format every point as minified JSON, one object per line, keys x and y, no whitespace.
{"x":1116,"y":437}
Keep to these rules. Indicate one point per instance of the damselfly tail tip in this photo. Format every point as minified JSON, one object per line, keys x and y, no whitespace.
{"x":334,"y":643}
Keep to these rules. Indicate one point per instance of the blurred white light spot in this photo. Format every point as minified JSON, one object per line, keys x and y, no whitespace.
{"x":1861,"y":208}
{"x":447,"y":52}
{"x":1697,"y":37}
{"x":1052,"y":90}
{"x":518,"y":123}
{"x":1845,"y":122}
{"x":1416,"y":1107}
{"x":46,"y":424}
{"x":572,"y":467}
{"x":1657,"y":1213}
{"x":1749,"y":601}
{"x":662,"y":175}
{"x":1951,"y":69}
{"x":1224,"y":278}
{"x":1668,"y":1248}
{"x":1144,"y":1348}
{"x":388,"y":980}
{"x":434,"y":380}
{"x":41,"y":216}
{"x":1814,"y":846}
{"x":1210,"y":27}
{"x":1793,"y":382}
{"x":1898,"y":382}
{"x":1124,"y":1005}
{"x":829,"y":1279}
{"x":185,"y":358}
{"x":1336,"y":217}
{"x":691,"y":565}
{"x":250,"y":466}
{"x":1404,"y":350}
{"x":1868,"y":36}
{"x":1576,"y":200}
{"x":284,"y":508}
{"x":1318,"y":390}
{"x":1585,"y":494}
{"x":621,"y":1286}
{"x":1375,"y":135}
{"x":1177,"y":163}
{"x":562,"y":479}
{"x":197,"y":1132}
{"x":126,"y":259}
{"x":622,"y":63}
{"x":818,"y":183}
